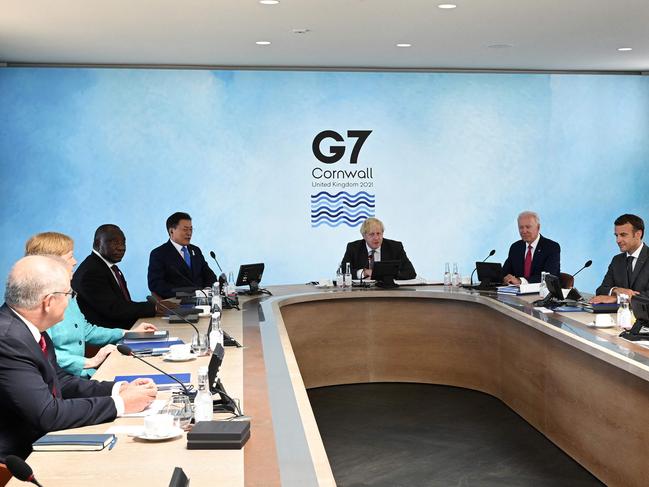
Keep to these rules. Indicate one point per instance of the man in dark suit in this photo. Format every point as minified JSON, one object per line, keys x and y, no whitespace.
{"x":104,"y":297}
{"x":361,"y":254}
{"x":532,"y":254}
{"x":628,"y":272}
{"x":177,"y":263}
{"x":36,"y":395}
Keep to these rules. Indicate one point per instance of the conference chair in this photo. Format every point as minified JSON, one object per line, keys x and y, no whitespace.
{"x":5,"y":475}
{"x":567,"y":281}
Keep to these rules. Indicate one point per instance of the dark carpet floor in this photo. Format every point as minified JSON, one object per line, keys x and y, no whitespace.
{"x":426,"y":435}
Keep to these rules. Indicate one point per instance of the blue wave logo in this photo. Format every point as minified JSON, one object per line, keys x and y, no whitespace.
{"x":342,"y":208}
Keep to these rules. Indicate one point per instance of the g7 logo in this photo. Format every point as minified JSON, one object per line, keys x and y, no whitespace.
{"x":338,"y":151}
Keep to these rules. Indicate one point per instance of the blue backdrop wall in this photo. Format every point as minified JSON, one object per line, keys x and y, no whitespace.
{"x":450,"y":161}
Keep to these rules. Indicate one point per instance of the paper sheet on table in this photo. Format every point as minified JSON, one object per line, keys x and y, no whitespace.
{"x":417,"y":281}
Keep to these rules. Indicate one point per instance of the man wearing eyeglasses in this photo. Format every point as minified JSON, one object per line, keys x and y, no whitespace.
{"x":36,"y":395}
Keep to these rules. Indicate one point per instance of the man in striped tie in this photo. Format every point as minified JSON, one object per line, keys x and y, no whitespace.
{"x":532,"y":254}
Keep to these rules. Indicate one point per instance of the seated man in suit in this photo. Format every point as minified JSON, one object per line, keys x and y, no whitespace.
{"x":177,"y":263}
{"x":36,"y":395}
{"x":361,"y":254}
{"x":532,"y":254}
{"x":103,"y":297}
{"x":628,"y":272}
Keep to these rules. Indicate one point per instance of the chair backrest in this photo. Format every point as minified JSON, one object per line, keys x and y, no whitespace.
{"x":5,"y":475}
{"x":567,"y":281}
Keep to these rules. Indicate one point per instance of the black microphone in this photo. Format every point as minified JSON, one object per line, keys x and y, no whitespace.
{"x":213,"y":255}
{"x":156,"y":301}
{"x":587,"y":264}
{"x":493,"y":251}
{"x":19,"y":469}
{"x":126,"y":350}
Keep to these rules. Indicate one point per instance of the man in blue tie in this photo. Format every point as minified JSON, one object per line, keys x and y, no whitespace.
{"x":177,"y":263}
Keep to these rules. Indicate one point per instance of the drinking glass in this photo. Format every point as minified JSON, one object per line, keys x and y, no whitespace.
{"x":199,"y":344}
{"x":180,"y":407}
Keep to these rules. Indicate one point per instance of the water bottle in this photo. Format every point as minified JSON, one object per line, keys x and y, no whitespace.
{"x":543,"y":287}
{"x":447,"y":275}
{"x":216,"y":332}
{"x":623,"y":312}
{"x":216,"y":296}
{"x":203,"y":409}
{"x":455,"y":278}
{"x":348,"y":275}
{"x":231,"y":289}
{"x":339,"y":277}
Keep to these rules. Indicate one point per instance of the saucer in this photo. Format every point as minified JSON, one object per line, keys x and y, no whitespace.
{"x":592,"y":324}
{"x":168,"y":358}
{"x":173,"y":433}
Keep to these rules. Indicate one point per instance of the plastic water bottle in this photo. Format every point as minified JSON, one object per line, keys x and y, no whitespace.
{"x":348,"y":275}
{"x":216,"y":332}
{"x":203,"y":408}
{"x":339,"y":277}
{"x":623,"y":312}
{"x":216,"y":296}
{"x":447,"y":275}
{"x":543,"y":288}
{"x":455,"y":278}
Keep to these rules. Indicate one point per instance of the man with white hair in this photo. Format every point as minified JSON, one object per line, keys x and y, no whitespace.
{"x":532,"y":254}
{"x":361,"y":254}
{"x":36,"y":395}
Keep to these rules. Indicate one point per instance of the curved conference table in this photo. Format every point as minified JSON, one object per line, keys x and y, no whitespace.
{"x":586,"y":390}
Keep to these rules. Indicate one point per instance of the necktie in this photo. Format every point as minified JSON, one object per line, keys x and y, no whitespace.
{"x":527,"y":270}
{"x":43,"y":346}
{"x":188,"y":259}
{"x":121,"y":281}
{"x":629,"y":269}
{"x":370,"y":259}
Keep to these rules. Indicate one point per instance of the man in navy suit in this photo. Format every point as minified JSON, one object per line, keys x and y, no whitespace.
{"x":361,"y":254}
{"x":104,"y":297}
{"x":532,"y":254}
{"x":36,"y":395}
{"x":628,"y":272}
{"x":177,"y":263}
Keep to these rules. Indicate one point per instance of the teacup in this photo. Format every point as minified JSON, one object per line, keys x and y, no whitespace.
{"x":603,"y":320}
{"x":180,"y":351}
{"x":205,"y":309}
{"x":158,"y":425}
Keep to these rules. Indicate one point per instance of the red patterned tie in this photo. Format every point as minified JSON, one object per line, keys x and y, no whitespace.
{"x":121,"y":281}
{"x":527,"y":270}
{"x":43,"y":346}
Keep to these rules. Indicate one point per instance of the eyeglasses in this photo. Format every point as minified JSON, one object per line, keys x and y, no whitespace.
{"x":72,"y":293}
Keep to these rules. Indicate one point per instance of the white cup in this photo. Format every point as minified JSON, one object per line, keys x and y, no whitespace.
{"x":325,"y":283}
{"x":180,"y":351}
{"x":158,"y":425}
{"x":603,"y":320}
{"x":205,"y":309}
{"x":466,"y":280}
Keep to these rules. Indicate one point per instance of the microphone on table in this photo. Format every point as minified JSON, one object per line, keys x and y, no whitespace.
{"x":493,"y":251}
{"x":213,"y":255}
{"x":126,"y":350}
{"x":587,"y":264}
{"x":20,"y":469}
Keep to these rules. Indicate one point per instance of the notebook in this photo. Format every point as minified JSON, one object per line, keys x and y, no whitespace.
{"x":85,"y":442}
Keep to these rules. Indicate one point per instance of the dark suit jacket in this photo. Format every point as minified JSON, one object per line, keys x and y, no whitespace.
{"x":28,"y":410}
{"x":547,"y":257}
{"x":356,"y":255}
{"x":616,"y":275}
{"x":101,"y":299}
{"x":168,"y":270}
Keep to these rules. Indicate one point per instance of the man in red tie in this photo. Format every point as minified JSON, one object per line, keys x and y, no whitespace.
{"x":532,"y":254}
{"x":104,"y":297}
{"x":36,"y":395}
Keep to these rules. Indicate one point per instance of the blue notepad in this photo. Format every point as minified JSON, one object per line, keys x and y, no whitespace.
{"x":162,"y":381}
{"x":160,"y":345}
{"x":63,"y":442}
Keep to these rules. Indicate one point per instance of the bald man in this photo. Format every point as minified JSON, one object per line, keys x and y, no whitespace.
{"x":36,"y":395}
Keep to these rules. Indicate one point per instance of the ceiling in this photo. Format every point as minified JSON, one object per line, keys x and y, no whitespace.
{"x":558,"y":35}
